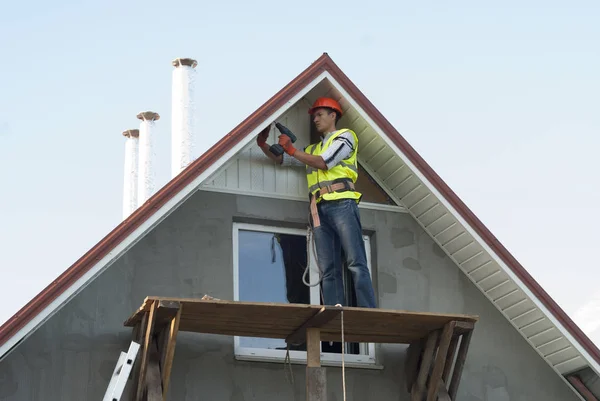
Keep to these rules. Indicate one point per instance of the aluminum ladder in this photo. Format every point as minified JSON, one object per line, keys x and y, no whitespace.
{"x":119,"y":377}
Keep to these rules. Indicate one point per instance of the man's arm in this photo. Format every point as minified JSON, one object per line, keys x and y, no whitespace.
{"x":310,"y":160}
{"x":339,"y":150}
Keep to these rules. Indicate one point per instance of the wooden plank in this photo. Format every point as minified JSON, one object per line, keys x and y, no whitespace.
{"x":153,"y":382}
{"x":440,"y":361}
{"x":280,"y":320}
{"x":443,"y":393}
{"x":450,"y":357}
{"x":170,"y":353}
{"x":138,"y":336}
{"x":141,"y":386}
{"x":460,"y":363}
{"x":196,"y":307}
{"x":240,"y":329}
{"x":360,"y":325}
{"x":419,"y":387}
{"x":317,"y":320}
{"x":411,"y":365}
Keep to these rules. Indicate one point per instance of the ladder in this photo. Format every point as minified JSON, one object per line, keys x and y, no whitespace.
{"x":119,"y":377}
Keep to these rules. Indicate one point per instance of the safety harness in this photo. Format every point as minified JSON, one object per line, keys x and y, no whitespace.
{"x":338,"y":185}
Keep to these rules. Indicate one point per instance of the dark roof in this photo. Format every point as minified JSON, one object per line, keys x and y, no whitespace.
{"x":178,"y":183}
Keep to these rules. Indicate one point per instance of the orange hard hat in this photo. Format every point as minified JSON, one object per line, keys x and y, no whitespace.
{"x":326,"y":102}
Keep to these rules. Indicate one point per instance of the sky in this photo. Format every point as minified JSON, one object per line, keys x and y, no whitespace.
{"x":501,"y":99}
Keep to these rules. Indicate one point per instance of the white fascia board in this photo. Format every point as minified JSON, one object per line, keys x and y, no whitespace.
{"x":144,"y":228}
{"x":591,"y":361}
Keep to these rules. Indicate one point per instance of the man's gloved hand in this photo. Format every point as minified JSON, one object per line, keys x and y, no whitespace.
{"x":286,"y":144}
{"x":261,"y":139}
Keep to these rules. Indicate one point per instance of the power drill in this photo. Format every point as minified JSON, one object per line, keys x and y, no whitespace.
{"x":277,"y":149}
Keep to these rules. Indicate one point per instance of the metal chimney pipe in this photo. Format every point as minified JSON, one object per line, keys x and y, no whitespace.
{"x":130,"y":172}
{"x":147,"y":156}
{"x":182,"y":110}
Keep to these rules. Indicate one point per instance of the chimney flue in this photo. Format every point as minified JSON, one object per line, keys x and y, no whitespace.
{"x":182,"y":109}
{"x":147,"y":156}
{"x":130,"y":172}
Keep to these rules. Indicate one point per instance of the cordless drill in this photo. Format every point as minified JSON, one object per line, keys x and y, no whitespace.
{"x":277,"y":149}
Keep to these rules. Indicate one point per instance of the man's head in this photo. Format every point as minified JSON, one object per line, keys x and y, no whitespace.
{"x":325,"y":113}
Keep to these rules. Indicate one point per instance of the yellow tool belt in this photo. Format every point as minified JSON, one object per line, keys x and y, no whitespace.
{"x":344,"y":184}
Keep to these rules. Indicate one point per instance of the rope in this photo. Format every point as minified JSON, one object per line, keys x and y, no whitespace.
{"x":288,"y":362}
{"x":309,"y":242}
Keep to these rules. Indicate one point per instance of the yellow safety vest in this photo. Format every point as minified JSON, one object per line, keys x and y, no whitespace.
{"x":346,"y":170}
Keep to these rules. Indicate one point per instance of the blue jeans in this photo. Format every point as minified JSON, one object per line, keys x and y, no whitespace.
{"x":341,"y":228}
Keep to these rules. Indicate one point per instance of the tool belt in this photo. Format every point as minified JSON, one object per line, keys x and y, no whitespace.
{"x":340,"y":185}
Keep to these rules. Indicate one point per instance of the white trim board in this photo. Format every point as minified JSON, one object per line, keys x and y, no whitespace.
{"x":361,"y":205}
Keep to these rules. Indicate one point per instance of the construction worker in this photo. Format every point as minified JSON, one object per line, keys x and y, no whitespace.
{"x":331,"y":171}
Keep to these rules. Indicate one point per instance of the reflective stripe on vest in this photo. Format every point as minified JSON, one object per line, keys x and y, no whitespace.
{"x":346,"y":169}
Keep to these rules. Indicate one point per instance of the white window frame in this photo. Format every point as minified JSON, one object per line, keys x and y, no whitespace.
{"x":298,"y":357}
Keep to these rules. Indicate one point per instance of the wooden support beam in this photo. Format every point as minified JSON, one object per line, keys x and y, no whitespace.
{"x":141,"y":385}
{"x":450,"y":357}
{"x":316,"y":383}
{"x":460,"y":363}
{"x":463,"y":327}
{"x":411,"y":365}
{"x":442,"y":392}
{"x":138,"y":336}
{"x":440,"y":361}
{"x":418,"y":387}
{"x":323,"y":316}
{"x":171,"y":340}
{"x":153,"y":379}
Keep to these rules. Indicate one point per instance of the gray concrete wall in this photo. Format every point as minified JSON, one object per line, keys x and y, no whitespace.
{"x":72,"y":356}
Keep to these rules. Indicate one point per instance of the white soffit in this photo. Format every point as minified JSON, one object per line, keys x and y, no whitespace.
{"x":462,"y":244}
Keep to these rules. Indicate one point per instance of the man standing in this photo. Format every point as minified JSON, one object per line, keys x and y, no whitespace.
{"x":331,"y":171}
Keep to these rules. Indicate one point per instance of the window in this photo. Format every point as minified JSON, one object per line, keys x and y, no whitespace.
{"x":269,"y":264}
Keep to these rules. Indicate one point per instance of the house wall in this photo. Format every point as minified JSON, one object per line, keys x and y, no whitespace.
{"x":190,"y":254}
{"x":250,"y":171}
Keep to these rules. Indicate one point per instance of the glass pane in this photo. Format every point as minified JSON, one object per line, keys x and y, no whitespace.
{"x":270,"y":270}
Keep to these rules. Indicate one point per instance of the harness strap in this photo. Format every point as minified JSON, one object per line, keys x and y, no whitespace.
{"x":344,"y":184}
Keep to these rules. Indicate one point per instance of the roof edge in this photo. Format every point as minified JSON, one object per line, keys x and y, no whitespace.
{"x":65,"y":280}
{"x":464,"y":210}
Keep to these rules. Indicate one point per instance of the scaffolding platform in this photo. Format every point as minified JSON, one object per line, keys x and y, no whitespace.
{"x":438,"y":342}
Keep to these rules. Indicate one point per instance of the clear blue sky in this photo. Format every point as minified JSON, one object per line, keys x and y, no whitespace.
{"x":502,"y":100}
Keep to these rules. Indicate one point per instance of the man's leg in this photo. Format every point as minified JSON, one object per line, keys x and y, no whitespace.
{"x":346,"y":220}
{"x":328,"y":254}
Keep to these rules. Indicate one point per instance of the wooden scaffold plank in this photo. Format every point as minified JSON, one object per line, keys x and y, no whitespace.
{"x":436,"y":356}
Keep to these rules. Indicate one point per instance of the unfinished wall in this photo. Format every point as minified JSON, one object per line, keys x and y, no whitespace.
{"x":72,"y":356}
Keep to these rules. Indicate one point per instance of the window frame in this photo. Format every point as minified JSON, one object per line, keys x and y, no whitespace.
{"x":297,"y":357}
